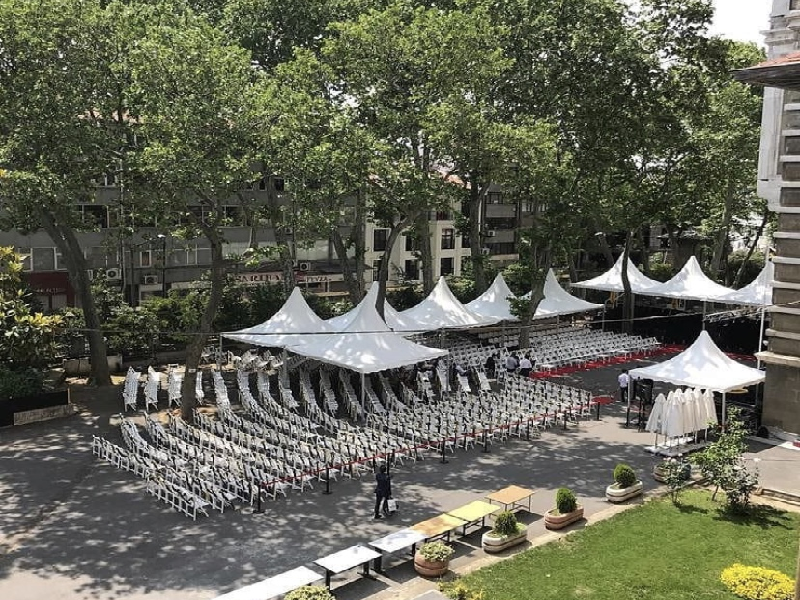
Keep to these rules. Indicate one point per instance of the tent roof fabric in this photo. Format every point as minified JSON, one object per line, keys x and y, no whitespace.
{"x":391,"y":316}
{"x":557,"y":301}
{"x":611,"y":280}
{"x":758,"y":292}
{"x":690,"y":283}
{"x":366,"y":345}
{"x":494,"y":301}
{"x":286,"y":328}
{"x":702,"y":365}
{"x":442,"y":310}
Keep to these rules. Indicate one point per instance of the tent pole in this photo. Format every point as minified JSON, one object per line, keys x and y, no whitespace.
{"x":703,"y":323}
{"x":362,"y":394}
{"x":284,"y":366}
{"x":760,"y":337}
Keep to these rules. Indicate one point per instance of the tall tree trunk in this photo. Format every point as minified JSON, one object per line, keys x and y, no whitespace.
{"x":195,"y":347}
{"x":425,"y":250}
{"x":473,"y":213}
{"x":627,"y":295}
{"x":605,"y":248}
{"x":353,"y":288}
{"x":67,"y":243}
{"x":644,"y":250}
{"x":721,"y":236}
{"x":383,"y":272}
{"x":279,"y":225}
{"x":752,"y":247}
{"x":540,"y":262}
{"x":573,"y":271}
{"x":359,"y":239}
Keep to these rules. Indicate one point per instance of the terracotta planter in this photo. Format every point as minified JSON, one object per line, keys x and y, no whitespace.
{"x":555,"y":520}
{"x":430,"y":568}
{"x":492,"y":543}
{"x":617,"y":494}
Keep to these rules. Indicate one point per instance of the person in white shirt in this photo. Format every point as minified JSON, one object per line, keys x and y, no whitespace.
{"x":525,"y":366}
{"x":623,"y":380}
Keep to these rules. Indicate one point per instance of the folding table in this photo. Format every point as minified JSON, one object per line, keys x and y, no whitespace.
{"x":394,"y":542}
{"x":473,"y":513}
{"x":438,"y":526}
{"x":512,"y":496}
{"x":346,"y":559}
{"x":274,"y":586}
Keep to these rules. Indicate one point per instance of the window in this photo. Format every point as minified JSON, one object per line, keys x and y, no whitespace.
{"x":279,"y":184}
{"x":234,"y":216}
{"x":61,"y":265}
{"x":376,"y":266}
{"x":411,"y":243}
{"x":25,"y":255}
{"x":94,"y":215}
{"x":379,"y":239}
{"x":446,"y":266}
{"x":180,"y":257}
{"x":44,"y":259}
{"x":465,"y":241}
{"x":448,"y":239}
{"x":145,"y":258}
{"x":494,"y":197}
{"x":443,"y":215}
{"x":412,"y":269}
{"x":101,"y":257}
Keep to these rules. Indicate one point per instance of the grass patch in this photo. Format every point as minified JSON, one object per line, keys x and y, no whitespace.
{"x":655,"y":551}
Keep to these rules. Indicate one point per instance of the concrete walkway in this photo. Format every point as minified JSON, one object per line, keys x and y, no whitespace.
{"x":74,"y":528}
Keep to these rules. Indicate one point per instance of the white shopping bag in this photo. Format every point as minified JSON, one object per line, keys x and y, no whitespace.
{"x":391,"y":505}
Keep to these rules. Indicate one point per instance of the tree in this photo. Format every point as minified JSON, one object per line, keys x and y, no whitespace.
{"x":195,"y":94}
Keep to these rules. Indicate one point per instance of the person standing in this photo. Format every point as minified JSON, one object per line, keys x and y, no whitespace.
{"x":511,"y":363}
{"x":383,"y":491}
{"x":491,"y":366}
{"x":525,"y":366}
{"x":624,"y":381}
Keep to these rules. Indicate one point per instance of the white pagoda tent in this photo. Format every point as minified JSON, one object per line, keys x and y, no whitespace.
{"x":690,"y":283}
{"x":494,"y":302}
{"x":295,"y":323}
{"x":611,"y":280}
{"x":390,"y":315}
{"x":557,"y":301}
{"x":442,"y":310}
{"x":758,"y":292}
{"x":366,"y":345}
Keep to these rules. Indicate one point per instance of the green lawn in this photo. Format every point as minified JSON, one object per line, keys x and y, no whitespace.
{"x":651,"y":552}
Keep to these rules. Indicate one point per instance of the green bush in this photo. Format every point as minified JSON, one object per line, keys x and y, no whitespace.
{"x":505,"y":523}
{"x":16,"y":383}
{"x":624,"y":476}
{"x":566,"y":502}
{"x":756,"y":583}
{"x":436,"y":551}
{"x":310,"y":592}
{"x":456,"y":590}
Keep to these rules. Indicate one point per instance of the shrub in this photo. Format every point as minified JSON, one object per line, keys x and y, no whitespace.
{"x":757,"y":583}
{"x":16,"y":383}
{"x":310,"y":592}
{"x":506,"y":523}
{"x":456,"y":590}
{"x":436,"y":551}
{"x":566,"y":502}
{"x":624,"y":476}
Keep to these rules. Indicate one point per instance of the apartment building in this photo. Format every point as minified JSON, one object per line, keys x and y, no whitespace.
{"x":779,"y":183}
{"x":150,"y":263}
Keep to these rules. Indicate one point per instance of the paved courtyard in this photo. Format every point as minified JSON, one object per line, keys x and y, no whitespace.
{"x":74,"y":528}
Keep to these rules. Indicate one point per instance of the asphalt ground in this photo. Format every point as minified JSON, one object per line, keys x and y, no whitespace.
{"x":73,"y":527}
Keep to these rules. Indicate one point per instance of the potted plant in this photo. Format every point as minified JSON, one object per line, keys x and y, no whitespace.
{"x":672,"y":468}
{"x":566,"y":512}
{"x":507,"y":532}
{"x":432,"y":559}
{"x":310,"y":592}
{"x":625,"y":485}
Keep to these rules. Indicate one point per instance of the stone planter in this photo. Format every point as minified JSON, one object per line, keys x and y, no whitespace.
{"x":617,"y":494}
{"x":430,"y":568}
{"x":493,"y":543}
{"x":660,"y":475}
{"x":555,"y":520}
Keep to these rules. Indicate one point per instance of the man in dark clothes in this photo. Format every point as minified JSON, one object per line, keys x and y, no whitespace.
{"x":383,"y":491}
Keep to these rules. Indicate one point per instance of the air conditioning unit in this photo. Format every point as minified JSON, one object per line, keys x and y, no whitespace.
{"x":149,"y":279}
{"x":491,"y":233}
{"x":304,"y":266}
{"x":486,"y":251}
{"x":114,"y":274}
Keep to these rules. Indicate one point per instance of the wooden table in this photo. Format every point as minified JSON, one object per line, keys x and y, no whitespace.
{"x":512,"y":496}
{"x":394,"y":542}
{"x":274,"y":586}
{"x":438,"y":526}
{"x":344,"y":560}
{"x":474,"y":512}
